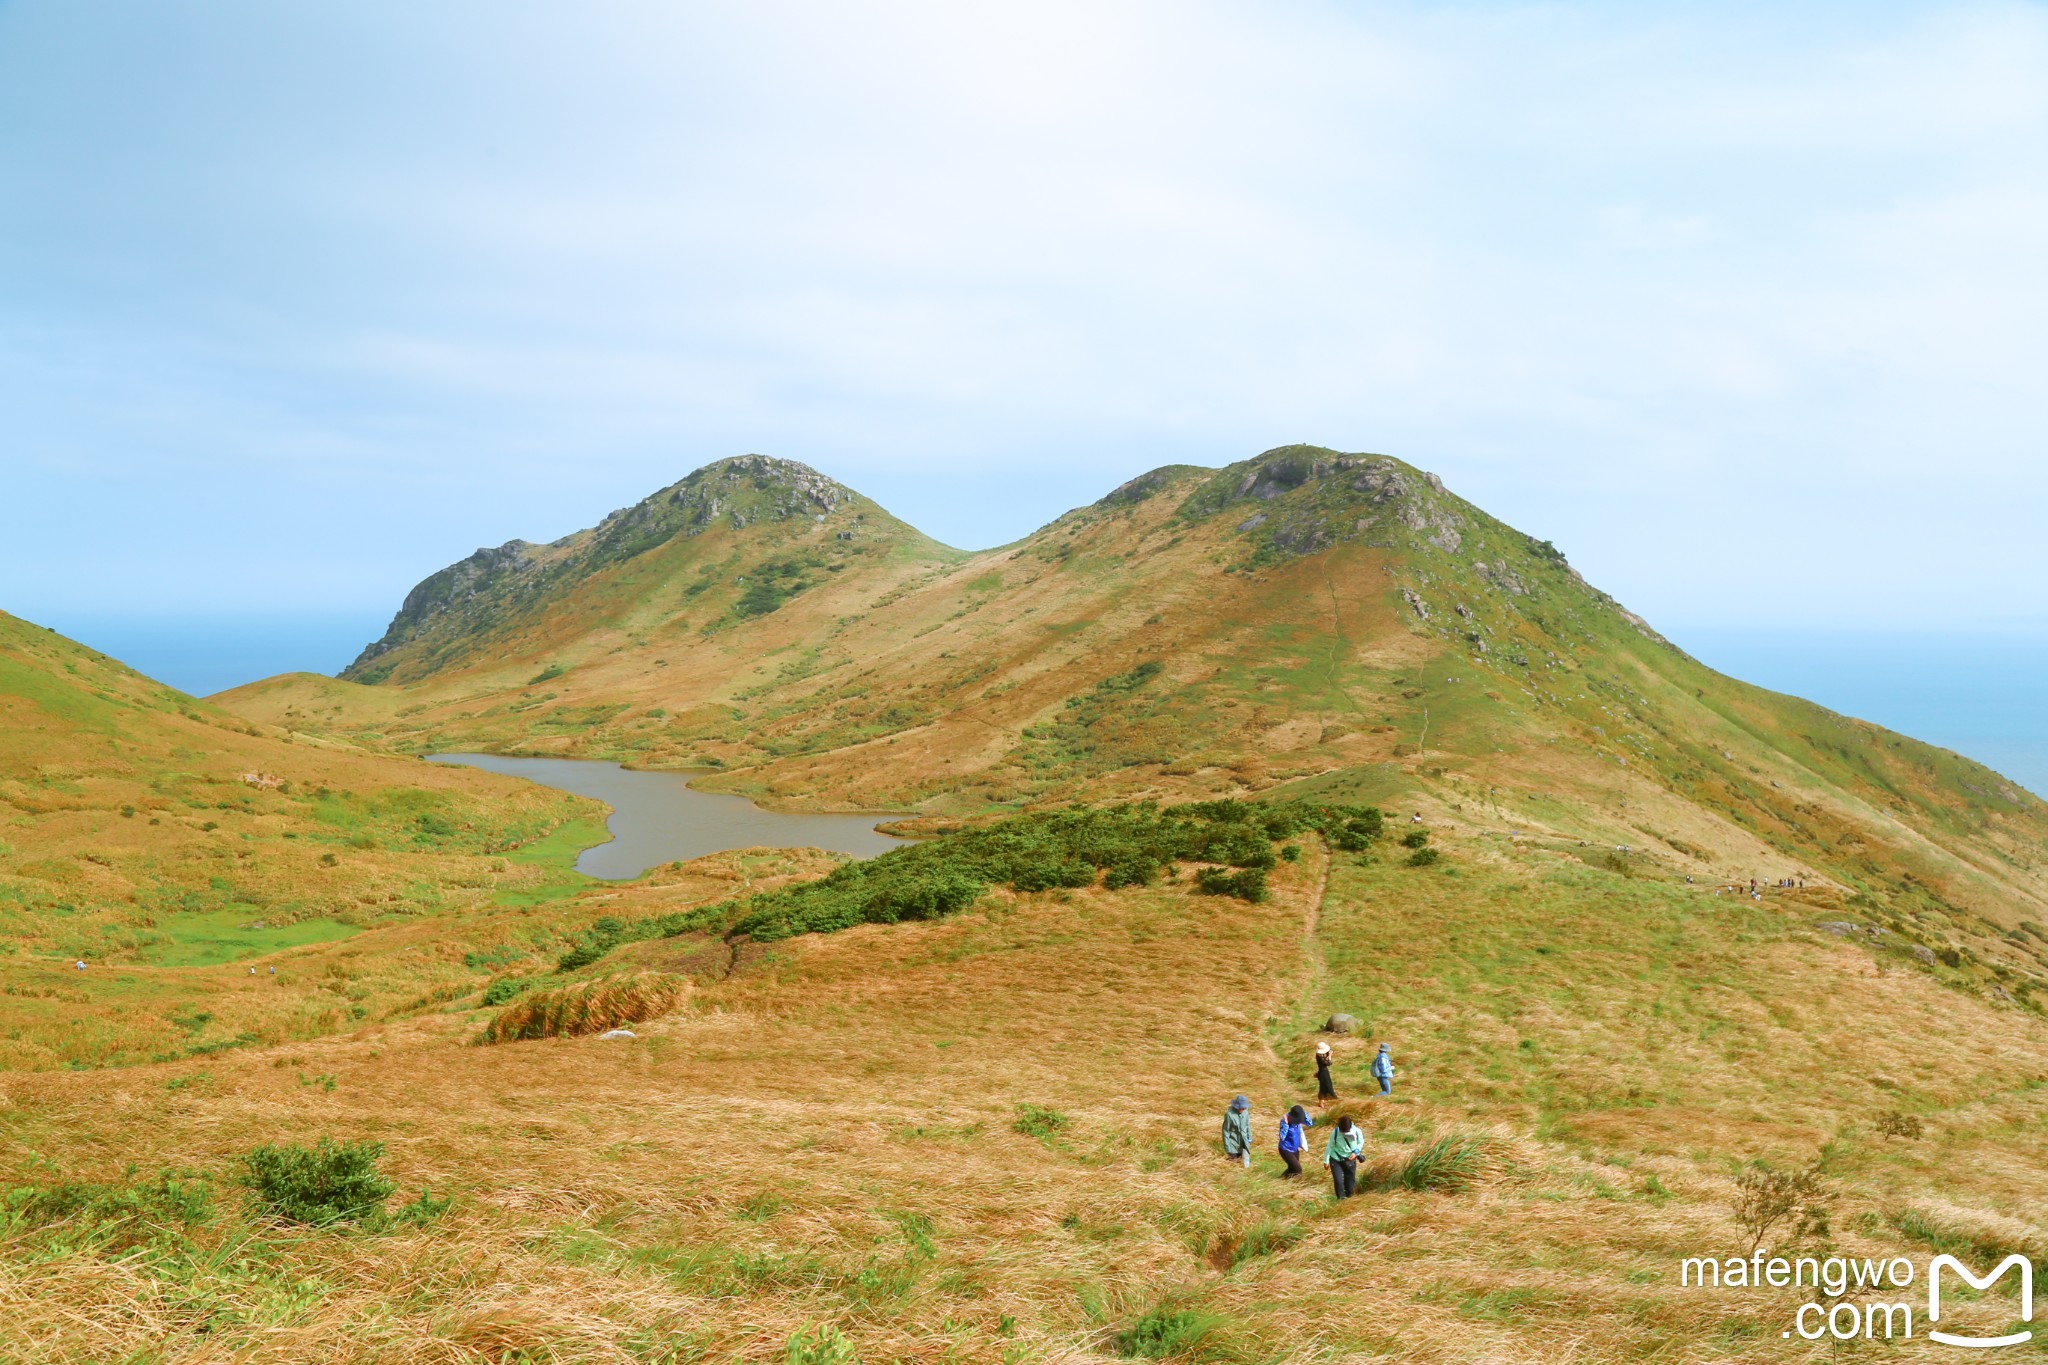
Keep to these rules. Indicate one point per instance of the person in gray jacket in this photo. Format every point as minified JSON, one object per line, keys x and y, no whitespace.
{"x":1237,"y":1131}
{"x":1383,"y":1070}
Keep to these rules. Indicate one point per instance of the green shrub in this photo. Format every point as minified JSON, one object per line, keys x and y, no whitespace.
{"x":505,"y":988}
{"x":1028,"y":852}
{"x":548,"y":674}
{"x":820,"y":1345}
{"x":1422,"y":857}
{"x":1135,"y":872}
{"x":1415,"y":838}
{"x":334,"y":1182}
{"x":1247,"y":884}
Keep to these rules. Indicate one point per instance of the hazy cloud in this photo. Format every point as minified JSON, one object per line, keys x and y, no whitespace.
{"x":1746,"y":309}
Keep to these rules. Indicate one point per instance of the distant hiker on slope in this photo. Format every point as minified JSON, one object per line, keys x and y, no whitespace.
{"x":1237,"y":1131}
{"x":1326,"y":1087}
{"x":1383,"y":1070}
{"x":1347,"y":1143}
{"x":1293,"y":1137}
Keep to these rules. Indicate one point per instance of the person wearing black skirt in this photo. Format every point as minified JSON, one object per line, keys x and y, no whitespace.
{"x":1326,"y":1087}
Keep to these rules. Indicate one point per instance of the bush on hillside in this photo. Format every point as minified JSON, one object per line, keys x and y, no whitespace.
{"x":503,"y":989}
{"x":1767,"y":1198}
{"x":1247,"y":884}
{"x":1034,"y":851}
{"x":588,"y":1007}
{"x":1423,"y":857}
{"x":334,"y":1182}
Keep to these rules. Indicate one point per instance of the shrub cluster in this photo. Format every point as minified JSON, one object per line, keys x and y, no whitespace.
{"x":335,"y":1182}
{"x":1121,"y":845}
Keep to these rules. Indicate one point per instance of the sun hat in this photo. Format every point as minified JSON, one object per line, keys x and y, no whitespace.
{"x":1240,"y":1103}
{"x":1322,"y":1049}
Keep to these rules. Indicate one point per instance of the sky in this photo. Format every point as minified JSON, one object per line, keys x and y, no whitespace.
{"x":1744,"y":306}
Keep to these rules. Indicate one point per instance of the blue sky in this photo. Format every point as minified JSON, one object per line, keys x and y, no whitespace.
{"x":1747,"y":310}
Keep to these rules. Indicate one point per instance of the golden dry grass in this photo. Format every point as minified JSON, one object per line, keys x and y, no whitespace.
{"x":831,"y":1136}
{"x":575,"y":1011}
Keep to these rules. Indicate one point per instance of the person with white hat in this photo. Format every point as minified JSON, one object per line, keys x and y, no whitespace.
{"x":1326,"y":1086}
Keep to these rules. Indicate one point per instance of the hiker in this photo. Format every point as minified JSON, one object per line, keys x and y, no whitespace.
{"x":1383,"y":1070}
{"x":1326,"y":1087}
{"x":81,"y":964}
{"x":1237,"y":1131}
{"x":1347,"y":1142}
{"x":1293,"y":1137}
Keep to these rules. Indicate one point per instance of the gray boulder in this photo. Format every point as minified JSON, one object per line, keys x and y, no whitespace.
{"x":1342,"y":1023}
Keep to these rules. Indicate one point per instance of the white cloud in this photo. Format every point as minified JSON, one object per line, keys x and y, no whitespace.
{"x":1606,"y":267}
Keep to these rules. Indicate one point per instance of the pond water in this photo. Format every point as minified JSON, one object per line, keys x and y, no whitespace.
{"x":659,"y":818}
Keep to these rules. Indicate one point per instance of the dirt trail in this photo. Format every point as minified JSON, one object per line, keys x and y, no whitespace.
{"x":1293,"y":997}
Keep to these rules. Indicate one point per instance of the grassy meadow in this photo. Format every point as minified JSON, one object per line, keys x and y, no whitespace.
{"x":992,"y":1136}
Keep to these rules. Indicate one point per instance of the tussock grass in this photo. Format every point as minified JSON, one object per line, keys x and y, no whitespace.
{"x":1452,"y":1163}
{"x":1172,"y":1332}
{"x":588,"y":1007}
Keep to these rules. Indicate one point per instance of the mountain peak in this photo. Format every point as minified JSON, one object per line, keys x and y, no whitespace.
{"x":1303,"y":498}
{"x":775,"y":505}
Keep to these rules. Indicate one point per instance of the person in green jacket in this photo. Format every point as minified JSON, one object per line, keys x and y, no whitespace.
{"x":1347,"y":1144}
{"x":1237,"y":1131}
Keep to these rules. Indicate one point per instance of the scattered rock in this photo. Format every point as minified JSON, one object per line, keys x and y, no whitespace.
{"x":1840,"y":928}
{"x":1924,"y":953}
{"x":1342,"y":1023}
{"x":617,"y":1033}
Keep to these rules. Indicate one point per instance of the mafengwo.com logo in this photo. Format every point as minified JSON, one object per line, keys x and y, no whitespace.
{"x":1855,"y":1298}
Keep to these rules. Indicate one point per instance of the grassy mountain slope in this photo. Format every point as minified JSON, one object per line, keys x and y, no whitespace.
{"x":1306,"y":621}
{"x":736,"y":540}
{"x":163,"y":840}
{"x":992,"y":1137}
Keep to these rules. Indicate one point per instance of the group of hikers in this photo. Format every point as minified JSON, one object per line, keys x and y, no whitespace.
{"x":1341,"y":1153}
{"x":1755,"y":892}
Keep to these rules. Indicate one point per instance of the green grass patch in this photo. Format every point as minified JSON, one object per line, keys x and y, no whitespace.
{"x":209,"y":938}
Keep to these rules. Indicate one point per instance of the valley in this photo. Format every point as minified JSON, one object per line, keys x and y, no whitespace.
{"x":1189,"y":771}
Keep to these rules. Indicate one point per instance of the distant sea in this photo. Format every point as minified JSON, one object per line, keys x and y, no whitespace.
{"x":1984,"y":695}
{"x":204,"y":655}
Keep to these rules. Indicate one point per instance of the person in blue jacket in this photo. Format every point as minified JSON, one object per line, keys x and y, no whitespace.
{"x":1383,"y":1070}
{"x":1293,"y":1137}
